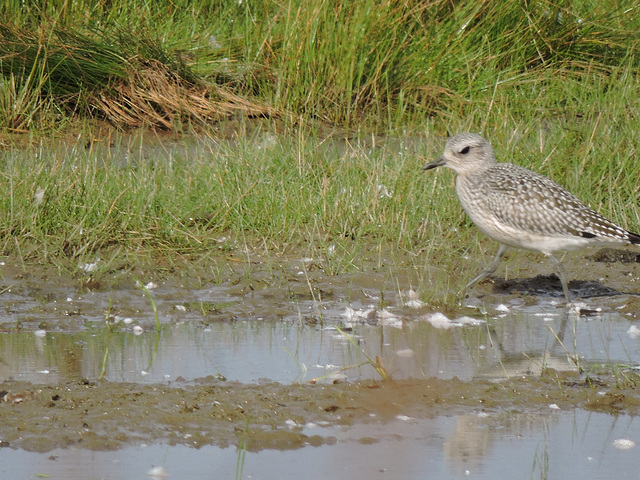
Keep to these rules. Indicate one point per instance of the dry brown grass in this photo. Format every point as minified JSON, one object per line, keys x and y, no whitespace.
{"x":153,"y":96}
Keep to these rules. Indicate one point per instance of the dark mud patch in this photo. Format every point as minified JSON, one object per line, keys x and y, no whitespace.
{"x":105,"y":416}
{"x":550,"y":286}
{"x":608,"y":272}
{"x":612,"y":255}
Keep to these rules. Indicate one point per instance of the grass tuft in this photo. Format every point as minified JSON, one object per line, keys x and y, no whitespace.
{"x":363,"y":63}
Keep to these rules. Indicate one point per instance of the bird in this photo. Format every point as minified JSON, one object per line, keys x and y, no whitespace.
{"x":521,"y":208}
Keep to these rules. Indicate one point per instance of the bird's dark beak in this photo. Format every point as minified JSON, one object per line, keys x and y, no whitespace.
{"x":436,"y":163}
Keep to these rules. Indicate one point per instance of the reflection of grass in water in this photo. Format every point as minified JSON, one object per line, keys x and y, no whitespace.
{"x":301,"y":366}
{"x":145,"y":290}
{"x":624,"y":374}
{"x":109,"y":331}
{"x":59,"y":353}
{"x":108,"y":316}
{"x":541,"y":462}
{"x":575,"y":357}
{"x":377,"y":364}
{"x":207,"y":308}
{"x":105,"y":358}
{"x":103,"y":370}
{"x":242,"y":449}
{"x":70,"y":356}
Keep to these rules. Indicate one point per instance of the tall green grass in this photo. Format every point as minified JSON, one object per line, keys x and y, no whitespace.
{"x":73,"y":201}
{"x":352,"y":64}
{"x":338,"y":199}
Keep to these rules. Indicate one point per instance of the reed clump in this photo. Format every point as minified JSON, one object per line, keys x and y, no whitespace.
{"x":353,"y":64}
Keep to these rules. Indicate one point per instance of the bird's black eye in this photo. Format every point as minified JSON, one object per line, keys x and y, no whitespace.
{"x":465,"y":150}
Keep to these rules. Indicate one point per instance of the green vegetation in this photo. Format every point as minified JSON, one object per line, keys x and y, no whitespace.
{"x":351,"y":64}
{"x":310,"y":121}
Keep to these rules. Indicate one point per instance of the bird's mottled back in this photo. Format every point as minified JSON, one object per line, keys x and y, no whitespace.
{"x":530,"y":202}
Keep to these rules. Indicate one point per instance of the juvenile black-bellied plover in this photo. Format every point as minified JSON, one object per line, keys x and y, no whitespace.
{"x":521,"y":208}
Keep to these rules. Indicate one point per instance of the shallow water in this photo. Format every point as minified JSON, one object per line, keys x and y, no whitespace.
{"x":557,"y":444}
{"x":224,"y":334}
{"x":412,"y":343}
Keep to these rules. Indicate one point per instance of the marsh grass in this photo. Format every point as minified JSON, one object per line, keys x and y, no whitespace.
{"x":339,"y":200}
{"x":363,"y":63}
{"x":553,"y":86}
{"x":52,"y":72}
{"x":75,"y":202}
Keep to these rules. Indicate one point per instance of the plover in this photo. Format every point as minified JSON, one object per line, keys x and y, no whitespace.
{"x":521,"y":208}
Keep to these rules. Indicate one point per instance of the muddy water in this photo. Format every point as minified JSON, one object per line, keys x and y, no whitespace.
{"x":557,"y":445}
{"x":273,"y":369}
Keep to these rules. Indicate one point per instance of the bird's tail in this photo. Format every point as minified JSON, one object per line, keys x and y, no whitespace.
{"x":634,"y":238}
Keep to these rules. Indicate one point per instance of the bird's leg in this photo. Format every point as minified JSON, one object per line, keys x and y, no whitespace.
{"x":563,"y":280}
{"x":486,"y":272}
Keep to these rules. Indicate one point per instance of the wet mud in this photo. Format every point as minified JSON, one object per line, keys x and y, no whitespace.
{"x":105,"y":415}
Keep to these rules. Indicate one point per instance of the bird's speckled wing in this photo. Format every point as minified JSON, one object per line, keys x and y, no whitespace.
{"x":531,"y":202}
